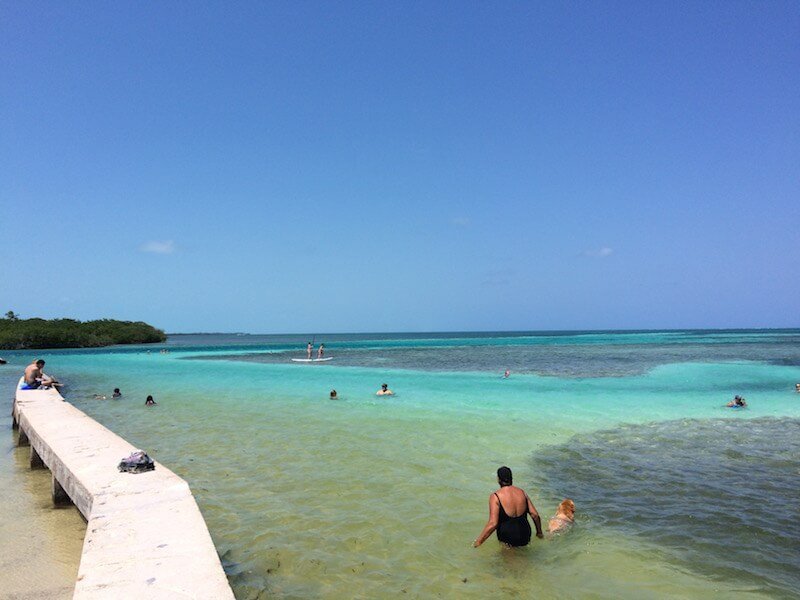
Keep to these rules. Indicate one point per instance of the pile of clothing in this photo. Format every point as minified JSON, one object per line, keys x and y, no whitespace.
{"x":137,"y":462}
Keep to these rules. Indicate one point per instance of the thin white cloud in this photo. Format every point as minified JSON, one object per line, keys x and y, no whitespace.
{"x":154,"y":247}
{"x":461,"y":221}
{"x":603,"y":252}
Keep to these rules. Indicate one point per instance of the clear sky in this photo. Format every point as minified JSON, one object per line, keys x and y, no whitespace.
{"x":406,"y":166}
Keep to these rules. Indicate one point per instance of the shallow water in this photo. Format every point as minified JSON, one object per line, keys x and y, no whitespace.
{"x":715,"y":496}
{"x":563,"y":355}
{"x":375,"y":497}
{"x":40,"y":546}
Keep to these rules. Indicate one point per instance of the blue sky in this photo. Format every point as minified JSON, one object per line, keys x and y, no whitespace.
{"x":321,"y":167}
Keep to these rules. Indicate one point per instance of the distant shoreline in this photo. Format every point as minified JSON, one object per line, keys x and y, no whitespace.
{"x":41,"y":334}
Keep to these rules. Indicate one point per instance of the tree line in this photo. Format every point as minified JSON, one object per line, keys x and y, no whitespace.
{"x":23,"y":334}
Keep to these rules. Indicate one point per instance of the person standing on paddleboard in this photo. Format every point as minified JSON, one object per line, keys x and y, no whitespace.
{"x":321,"y":351}
{"x":309,"y":350}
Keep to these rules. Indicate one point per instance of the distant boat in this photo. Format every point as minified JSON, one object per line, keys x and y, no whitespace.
{"x":310,"y":360}
{"x":2,"y":361}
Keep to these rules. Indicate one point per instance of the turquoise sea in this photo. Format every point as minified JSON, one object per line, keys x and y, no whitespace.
{"x":377,"y":497}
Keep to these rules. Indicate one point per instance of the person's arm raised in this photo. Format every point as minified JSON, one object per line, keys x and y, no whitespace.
{"x":491,"y":524}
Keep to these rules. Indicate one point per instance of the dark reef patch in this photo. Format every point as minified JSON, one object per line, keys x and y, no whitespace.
{"x":719,"y":497}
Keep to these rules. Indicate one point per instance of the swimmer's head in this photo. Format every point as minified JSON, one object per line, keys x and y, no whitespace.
{"x":40,"y":363}
{"x":504,"y":476}
{"x":384,"y":386}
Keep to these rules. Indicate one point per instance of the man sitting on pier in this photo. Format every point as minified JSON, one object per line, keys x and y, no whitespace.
{"x":35,"y":377}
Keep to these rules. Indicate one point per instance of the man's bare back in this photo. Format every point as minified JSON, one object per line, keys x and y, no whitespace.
{"x":33,"y":373}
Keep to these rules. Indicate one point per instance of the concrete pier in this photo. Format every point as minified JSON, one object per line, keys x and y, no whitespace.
{"x":36,"y":460}
{"x":145,"y":536}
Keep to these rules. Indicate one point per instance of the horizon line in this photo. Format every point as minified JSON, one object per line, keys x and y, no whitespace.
{"x":506,"y":331}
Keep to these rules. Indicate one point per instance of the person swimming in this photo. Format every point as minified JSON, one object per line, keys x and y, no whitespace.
{"x":737,"y":402}
{"x":511,"y":530}
{"x":384,"y":391}
{"x":334,"y":395}
{"x":507,"y":374}
{"x":117,"y":393}
{"x":149,"y":401}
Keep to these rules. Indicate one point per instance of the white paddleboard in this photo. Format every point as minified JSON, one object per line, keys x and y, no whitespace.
{"x":308,"y":360}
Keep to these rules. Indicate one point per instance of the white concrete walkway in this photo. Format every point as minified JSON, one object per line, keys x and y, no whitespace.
{"x":145,"y":536}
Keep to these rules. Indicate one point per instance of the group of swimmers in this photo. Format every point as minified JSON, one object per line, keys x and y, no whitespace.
{"x":384,"y":391}
{"x":116,"y":394}
{"x":36,"y":379}
{"x":737,"y":402}
{"x":740,"y":402}
{"x":509,"y":506}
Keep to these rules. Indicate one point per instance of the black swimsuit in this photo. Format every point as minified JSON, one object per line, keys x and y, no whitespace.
{"x":514,"y":531}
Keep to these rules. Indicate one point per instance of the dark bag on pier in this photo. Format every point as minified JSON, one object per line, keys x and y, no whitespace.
{"x":138,"y":462}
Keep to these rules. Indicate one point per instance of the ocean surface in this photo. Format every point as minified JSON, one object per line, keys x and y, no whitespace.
{"x":378,"y":497}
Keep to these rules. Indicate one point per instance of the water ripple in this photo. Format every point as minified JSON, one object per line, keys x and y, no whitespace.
{"x":719,"y":497}
{"x":573,"y":360}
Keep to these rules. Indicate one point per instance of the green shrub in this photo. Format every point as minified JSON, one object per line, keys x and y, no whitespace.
{"x":22,"y":334}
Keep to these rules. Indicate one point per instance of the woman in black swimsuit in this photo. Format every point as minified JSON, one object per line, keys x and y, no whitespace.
{"x":509,"y":508}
